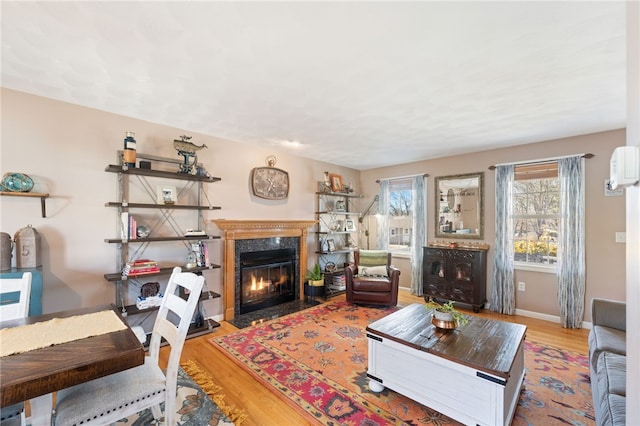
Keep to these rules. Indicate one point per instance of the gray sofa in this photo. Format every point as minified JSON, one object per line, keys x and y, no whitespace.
{"x":607,"y":361}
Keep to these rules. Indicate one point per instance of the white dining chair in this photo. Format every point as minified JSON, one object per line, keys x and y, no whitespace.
{"x":14,"y":307}
{"x":111,"y":398}
{"x":13,"y":415}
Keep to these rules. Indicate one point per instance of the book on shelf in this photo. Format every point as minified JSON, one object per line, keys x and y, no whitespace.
{"x":124,"y":225}
{"x":205,"y":253}
{"x":133,"y":225}
{"x":201,"y":251}
{"x":128,"y":226}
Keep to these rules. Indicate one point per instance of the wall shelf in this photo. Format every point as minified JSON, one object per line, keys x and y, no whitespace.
{"x":166,"y":224}
{"x":160,"y":206}
{"x":159,"y":173}
{"x":333,"y":210}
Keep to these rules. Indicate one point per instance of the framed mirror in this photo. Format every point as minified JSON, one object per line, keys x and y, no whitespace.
{"x":459,"y":206}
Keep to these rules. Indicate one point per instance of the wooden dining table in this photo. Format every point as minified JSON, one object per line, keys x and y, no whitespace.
{"x":34,"y":375}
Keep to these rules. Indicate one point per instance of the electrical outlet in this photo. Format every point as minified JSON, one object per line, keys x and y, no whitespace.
{"x":520,"y":285}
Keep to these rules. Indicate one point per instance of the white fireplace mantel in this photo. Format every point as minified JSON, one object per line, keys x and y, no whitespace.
{"x":249,"y":229}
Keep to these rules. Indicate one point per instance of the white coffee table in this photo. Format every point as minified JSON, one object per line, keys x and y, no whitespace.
{"x":473,"y":374}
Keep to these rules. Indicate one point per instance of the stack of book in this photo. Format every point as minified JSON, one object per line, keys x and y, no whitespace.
{"x":141,"y":267}
{"x":339,"y":282}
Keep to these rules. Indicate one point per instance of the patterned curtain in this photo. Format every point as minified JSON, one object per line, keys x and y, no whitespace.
{"x":419,"y":232}
{"x":382,"y":241}
{"x":571,"y":257}
{"x":503,"y":289}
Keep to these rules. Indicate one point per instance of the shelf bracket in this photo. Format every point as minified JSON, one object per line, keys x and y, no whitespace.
{"x":43,"y":206}
{"x":40,"y":195}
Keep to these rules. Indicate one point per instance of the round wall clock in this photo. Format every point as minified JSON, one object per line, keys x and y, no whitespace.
{"x":270,"y":183}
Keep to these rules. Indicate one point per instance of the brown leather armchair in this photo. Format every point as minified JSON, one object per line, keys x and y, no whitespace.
{"x":371,"y":279}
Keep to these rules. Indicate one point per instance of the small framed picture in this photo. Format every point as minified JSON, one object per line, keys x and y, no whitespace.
{"x":331,"y":245}
{"x":166,"y":194}
{"x":350,"y":225}
{"x":336,"y":182}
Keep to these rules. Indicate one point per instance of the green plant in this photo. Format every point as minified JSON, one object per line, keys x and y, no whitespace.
{"x":447,"y":307}
{"x":314,"y":274}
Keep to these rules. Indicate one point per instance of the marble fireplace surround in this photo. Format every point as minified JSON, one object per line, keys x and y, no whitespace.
{"x":234,"y":230}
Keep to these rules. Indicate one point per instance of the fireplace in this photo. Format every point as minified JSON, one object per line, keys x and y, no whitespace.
{"x":266,"y":278}
{"x":260,"y":235}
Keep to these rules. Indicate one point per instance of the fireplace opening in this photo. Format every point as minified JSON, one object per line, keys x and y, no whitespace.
{"x":267,"y":278}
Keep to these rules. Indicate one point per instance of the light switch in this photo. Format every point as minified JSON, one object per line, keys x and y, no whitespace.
{"x":621,"y":237}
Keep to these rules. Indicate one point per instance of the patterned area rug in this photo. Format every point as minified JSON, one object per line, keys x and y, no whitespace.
{"x":316,"y":361}
{"x":196,"y":406}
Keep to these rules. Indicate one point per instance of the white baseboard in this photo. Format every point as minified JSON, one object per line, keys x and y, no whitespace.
{"x":530,"y":314}
{"x":538,"y":315}
{"x":547,"y":317}
{"x":217,"y":318}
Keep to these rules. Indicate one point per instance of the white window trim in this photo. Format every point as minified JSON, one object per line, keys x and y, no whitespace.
{"x":401,"y":255}
{"x":534,"y":267}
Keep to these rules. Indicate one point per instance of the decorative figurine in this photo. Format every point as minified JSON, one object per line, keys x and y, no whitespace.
{"x":187,"y":150}
{"x":129,"y":153}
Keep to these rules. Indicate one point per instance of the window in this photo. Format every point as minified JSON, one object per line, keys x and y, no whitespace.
{"x":400,"y":216}
{"x":536,"y":204}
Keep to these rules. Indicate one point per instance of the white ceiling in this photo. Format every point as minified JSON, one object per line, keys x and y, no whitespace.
{"x":359,"y":84}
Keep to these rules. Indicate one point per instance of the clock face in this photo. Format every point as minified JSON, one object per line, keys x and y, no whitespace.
{"x":270,"y":183}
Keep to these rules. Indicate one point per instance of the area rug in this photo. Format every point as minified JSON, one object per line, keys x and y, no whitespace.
{"x":316,"y":361}
{"x":201,"y":402}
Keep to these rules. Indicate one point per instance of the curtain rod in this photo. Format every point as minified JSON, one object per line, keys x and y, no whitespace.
{"x":403,"y":177}
{"x":541,"y":160}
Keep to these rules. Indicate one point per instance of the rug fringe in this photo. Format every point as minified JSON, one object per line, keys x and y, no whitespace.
{"x":202,"y":378}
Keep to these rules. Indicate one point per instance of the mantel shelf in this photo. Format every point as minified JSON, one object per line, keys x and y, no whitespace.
{"x":41,"y":195}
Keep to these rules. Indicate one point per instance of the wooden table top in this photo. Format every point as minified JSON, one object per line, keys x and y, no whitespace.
{"x":484,"y":344}
{"x":39,"y":372}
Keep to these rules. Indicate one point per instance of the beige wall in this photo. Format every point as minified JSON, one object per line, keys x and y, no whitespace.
{"x":633,"y":216}
{"x":66,"y":148}
{"x":604,"y":215}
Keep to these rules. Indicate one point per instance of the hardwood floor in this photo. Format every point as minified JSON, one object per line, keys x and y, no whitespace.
{"x":264,"y":408}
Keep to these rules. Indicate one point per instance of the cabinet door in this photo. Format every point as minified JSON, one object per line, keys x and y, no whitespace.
{"x":434,"y":273}
{"x":462,"y":271}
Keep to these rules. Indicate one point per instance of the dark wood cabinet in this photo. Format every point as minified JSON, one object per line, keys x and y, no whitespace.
{"x":457,"y":274}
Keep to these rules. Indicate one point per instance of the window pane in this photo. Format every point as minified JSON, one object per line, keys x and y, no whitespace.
{"x":400,"y":215}
{"x":535,"y":220}
{"x":535,"y":240}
